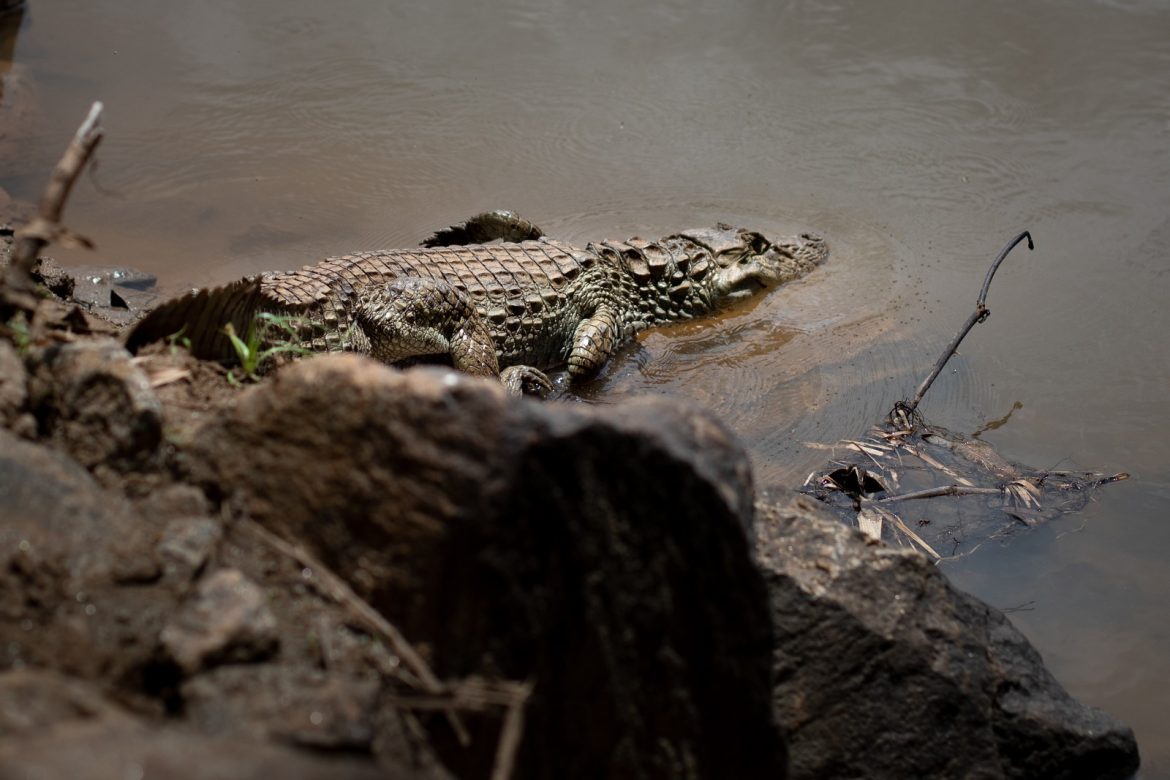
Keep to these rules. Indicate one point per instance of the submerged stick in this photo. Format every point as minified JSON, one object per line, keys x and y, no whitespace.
{"x":46,"y":226}
{"x":981,"y":313}
{"x":944,"y":490}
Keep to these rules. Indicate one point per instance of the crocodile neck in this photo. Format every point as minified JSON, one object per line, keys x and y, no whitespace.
{"x":670,"y":279}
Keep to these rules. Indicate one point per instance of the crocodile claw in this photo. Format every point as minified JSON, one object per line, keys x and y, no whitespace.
{"x":526,"y":380}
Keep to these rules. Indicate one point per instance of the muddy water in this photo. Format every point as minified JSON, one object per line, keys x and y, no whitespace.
{"x":918,"y":137}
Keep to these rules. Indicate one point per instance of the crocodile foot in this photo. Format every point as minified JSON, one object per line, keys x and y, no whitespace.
{"x":526,"y":380}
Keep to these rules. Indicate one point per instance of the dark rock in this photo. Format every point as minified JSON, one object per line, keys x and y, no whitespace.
{"x":883,"y":670}
{"x":227,"y":620}
{"x":99,"y":403}
{"x":601,"y":553}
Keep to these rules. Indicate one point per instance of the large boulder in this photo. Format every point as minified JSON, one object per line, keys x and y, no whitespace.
{"x":602,"y":553}
{"x":883,"y":670}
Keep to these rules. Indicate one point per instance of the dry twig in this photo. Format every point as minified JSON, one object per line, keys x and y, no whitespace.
{"x":903,"y":411}
{"x":477,"y":695}
{"x":46,"y":227}
{"x":332,"y":587}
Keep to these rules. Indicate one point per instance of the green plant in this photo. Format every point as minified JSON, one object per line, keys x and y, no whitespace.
{"x":268,"y":335}
{"x":177,"y":339}
{"x":19,"y":333}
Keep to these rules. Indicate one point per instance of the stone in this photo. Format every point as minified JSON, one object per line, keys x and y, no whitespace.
{"x":100,"y":404}
{"x":307,"y":707}
{"x":71,"y":732}
{"x":601,"y":552}
{"x":33,"y":700}
{"x":185,"y":545}
{"x":55,"y":518}
{"x":173,"y":501}
{"x":65,"y":546}
{"x":58,"y":281}
{"x":884,"y":670}
{"x":227,"y":620}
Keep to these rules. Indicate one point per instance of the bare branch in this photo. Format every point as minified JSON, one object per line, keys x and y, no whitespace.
{"x":46,"y":226}
{"x":945,"y":490}
{"x":906,"y":409}
{"x":332,"y":587}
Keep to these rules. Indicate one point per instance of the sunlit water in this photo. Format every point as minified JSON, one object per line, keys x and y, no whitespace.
{"x":246,"y":136}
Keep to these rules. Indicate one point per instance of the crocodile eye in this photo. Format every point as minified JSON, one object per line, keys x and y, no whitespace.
{"x":759,"y":244}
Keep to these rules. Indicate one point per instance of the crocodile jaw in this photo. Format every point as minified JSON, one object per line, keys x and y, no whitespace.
{"x":781,"y":262}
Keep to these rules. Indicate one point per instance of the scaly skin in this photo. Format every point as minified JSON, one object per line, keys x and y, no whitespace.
{"x":529,"y":306}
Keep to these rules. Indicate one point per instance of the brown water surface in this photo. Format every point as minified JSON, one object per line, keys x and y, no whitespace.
{"x":245,"y":136}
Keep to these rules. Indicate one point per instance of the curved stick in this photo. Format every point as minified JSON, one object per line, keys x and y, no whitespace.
{"x":46,"y":227}
{"x":981,"y":313}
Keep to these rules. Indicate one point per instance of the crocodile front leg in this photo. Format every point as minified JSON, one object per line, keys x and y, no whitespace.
{"x":410,"y":317}
{"x":594,"y":342}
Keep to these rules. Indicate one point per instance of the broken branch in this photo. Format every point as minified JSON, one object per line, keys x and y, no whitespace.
{"x":46,"y":226}
{"x":332,"y":587}
{"x":905,"y":409}
{"x":945,"y":490}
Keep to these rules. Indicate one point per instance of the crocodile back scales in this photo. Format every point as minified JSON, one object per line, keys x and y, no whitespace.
{"x":524,"y":291}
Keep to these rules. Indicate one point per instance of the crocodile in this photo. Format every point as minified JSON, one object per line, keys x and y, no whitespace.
{"x":524,"y":303}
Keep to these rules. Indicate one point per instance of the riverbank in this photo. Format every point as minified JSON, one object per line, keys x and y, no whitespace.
{"x":347,"y":568}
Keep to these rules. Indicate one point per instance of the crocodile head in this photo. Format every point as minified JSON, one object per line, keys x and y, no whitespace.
{"x":748,"y":261}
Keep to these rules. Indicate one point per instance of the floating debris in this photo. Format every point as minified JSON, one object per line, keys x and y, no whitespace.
{"x":906,"y":459}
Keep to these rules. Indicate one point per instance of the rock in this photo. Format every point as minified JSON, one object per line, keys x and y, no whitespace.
{"x":103,"y":751}
{"x":55,"y":278}
{"x":185,"y":546}
{"x":600,"y":552}
{"x":51,"y":726}
{"x":307,"y":707}
{"x":32,"y":700}
{"x":228,"y":620}
{"x":100,"y":404}
{"x":883,"y":670}
{"x":55,"y":520}
{"x":174,"y":501}
{"x":118,"y":294}
{"x":65,"y":545}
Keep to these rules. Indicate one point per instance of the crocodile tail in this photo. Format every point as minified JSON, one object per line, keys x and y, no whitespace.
{"x":198,"y":318}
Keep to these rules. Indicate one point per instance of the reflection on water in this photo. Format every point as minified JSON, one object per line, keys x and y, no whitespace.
{"x":918,"y":137}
